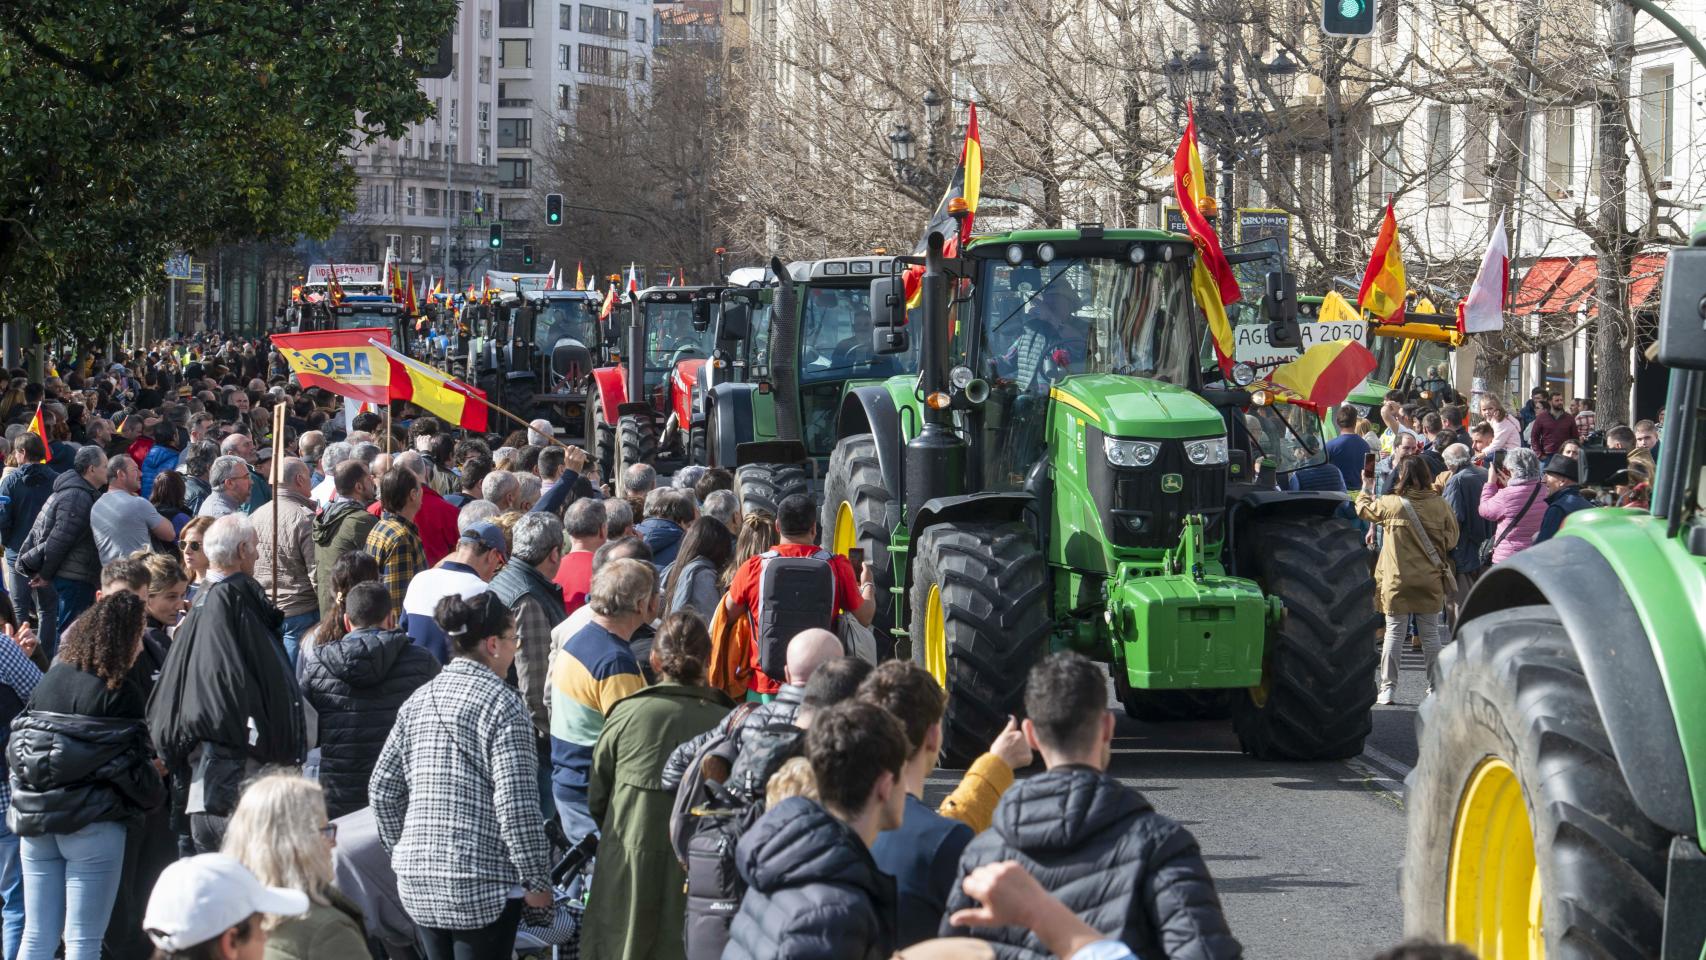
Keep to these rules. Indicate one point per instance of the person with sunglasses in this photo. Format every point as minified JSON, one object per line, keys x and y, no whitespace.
{"x":195,"y":558}
{"x":455,"y":793}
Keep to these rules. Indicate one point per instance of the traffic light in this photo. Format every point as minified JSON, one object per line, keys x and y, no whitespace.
{"x":553,"y":209}
{"x":527,"y":254}
{"x":1347,"y":18}
{"x":497,"y":240}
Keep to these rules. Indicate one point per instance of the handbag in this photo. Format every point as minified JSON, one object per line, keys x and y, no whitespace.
{"x":1488,"y":546}
{"x":1427,"y":542}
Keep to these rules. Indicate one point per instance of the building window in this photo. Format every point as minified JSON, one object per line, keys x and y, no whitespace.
{"x":1384,"y":174}
{"x":565,"y":95}
{"x":515,"y":13}
{"x":565,"y":57}
{"x":639,"y":68}
{"x":1658,"y":108}
{"x":515,"y":54}
{"x":485,"y":156}
{"x":431,"y":202}
{"x":485,"y":24}
{"x":409,"y":201}
{"x":415,"y":249}
{"x":485,"y":116}
{"x":562,"y":133}
{"x":514,"y":132}
{"x":454,"y":104}
{"x":485,"y":69}
{"x":393,"y":243}
{"x":565,"y":16}
{"x":455,"y":65}
{"x":1440,"y":149}
{"x":512,"y":173}
{"x":603,"y":61}
{"x":1560,"y":150}
{"x":604,"y":21}
{"x":640,"y":29}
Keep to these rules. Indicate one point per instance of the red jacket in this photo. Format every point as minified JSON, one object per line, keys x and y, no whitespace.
{"x":1549,"y":432}
{"x":436,"y":522}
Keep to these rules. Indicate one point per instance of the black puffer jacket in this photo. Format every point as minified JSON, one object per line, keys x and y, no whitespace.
{"x":1103,"y":850}
{"x":61,"y":544}
{"x":69,"y":771}
{"x":26,"y":489}
{"x":769,"y":730}
{"x":812,"y":891}
{"x":356,"y":685}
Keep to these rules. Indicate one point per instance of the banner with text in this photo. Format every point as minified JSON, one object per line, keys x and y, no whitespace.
{"x":1251,"y":346}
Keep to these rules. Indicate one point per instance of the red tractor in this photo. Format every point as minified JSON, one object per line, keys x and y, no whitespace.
{"x":645,"y":407}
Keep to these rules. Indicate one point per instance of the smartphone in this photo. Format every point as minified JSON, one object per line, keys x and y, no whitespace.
{"x":856,"y":556}
{"x":1369,"y":459}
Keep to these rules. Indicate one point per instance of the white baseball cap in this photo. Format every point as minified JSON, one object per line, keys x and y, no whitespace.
{"x":199,"y":898}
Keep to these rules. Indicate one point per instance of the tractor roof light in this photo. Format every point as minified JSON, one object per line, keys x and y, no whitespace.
{"x":1137,"y":254}
{"x":1167,"y":254}
{"x":1045,"y":252}
{"x":1015,"y":254}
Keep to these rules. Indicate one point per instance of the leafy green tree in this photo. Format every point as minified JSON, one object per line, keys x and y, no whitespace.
{"x":130,"y":128}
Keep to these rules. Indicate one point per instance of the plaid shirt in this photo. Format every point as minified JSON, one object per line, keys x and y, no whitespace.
{"x":456,"y":797}
{"x":21,"y":674}
{"x":533,"y":659}
{"x":396,"y":544}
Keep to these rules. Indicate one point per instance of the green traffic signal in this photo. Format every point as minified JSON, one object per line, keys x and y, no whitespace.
{"x":1347,"y":18}
{"x":497,"y":240}
{"x":554,"y":209}
{"x":527,"y":254}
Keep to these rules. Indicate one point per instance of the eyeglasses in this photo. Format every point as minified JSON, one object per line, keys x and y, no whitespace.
{"x":193,"y":546}
{"x":329,"y":832}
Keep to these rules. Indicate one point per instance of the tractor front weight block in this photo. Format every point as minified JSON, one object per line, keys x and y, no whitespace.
{"x":1189,"y":629}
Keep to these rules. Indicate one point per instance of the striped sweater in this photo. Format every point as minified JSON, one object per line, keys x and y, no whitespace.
{"x":592,"y":671}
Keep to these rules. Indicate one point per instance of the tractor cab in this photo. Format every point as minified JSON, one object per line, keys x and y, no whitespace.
{"x":357,"y":311}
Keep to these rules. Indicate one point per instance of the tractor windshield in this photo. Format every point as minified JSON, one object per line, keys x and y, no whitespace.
{"x":1039,"y":323}
{"x":670,"y":337}
{"x":835,"y":337}
{"x":562,"y":320}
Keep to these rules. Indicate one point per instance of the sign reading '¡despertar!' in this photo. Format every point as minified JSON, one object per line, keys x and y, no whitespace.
{"x":1250,"y":341}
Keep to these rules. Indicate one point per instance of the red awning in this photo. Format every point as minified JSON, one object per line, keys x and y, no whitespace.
{"x":1565,"y":285}
{"x":1539,"y":283}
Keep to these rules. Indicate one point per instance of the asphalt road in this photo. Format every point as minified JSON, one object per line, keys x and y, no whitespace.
{"x":1305,"y":855}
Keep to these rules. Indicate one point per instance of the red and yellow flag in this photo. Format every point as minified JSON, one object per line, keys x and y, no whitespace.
{"x":580,"y":276}
{"x":334,"y":289}
{"x":38,"y":426}
{"x":409,"y":296}
{"x":1211,"y":276}
{"x":967,"y":183}
{"x":1326,"y":373}
{"x":609,"y":307}
{"x":435,"y":391}
{"x":343,"y":362}
{"x":1383,"y":285}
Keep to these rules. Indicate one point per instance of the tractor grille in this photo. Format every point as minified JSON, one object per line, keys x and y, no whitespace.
{"x":1137,"y":512}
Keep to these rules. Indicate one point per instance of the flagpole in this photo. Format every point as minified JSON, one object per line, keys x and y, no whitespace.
{"x":277,"y":487}
{"x":387,"y":425}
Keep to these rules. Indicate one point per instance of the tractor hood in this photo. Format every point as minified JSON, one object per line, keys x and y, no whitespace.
{"x":1131,"y":407}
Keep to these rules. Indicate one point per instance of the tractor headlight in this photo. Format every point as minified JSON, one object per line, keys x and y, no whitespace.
{"x":1015,"y":254}
{"x":960,"y":377}
{"x":1130,"y":453}
{"x":1206,"y":453}
{"x":1243,"y":374}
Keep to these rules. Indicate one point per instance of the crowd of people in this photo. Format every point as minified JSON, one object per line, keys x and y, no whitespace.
{"x":366,"y":686}
{"x":1445,"y":496}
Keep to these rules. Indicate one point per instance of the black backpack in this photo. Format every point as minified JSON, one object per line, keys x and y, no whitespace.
{"x":794,"y":594}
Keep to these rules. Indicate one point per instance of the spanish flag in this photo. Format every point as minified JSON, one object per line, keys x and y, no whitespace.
{"x":1383,"y":287}
{"x":1326,"y":373}
{"x":334,"y":289}
{"x":609,"y":307}
{"x":1211,"y":276}
{"x":967,"y":183}
{"x":435,"y":391}
{"x":38,"y":426}
{"x":580,"y":276}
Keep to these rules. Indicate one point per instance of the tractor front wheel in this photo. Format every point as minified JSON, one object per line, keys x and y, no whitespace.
{"x":979,"y":622}
{"x":636,"y":442}
{"x":763,"y":486}
{"x":1524,"y":839}
{"x":1317,"y":690}
{"x":856,"y":505}
{"x":601,"y":439}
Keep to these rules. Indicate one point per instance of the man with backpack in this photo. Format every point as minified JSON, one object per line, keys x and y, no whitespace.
{"x":793,"y":588}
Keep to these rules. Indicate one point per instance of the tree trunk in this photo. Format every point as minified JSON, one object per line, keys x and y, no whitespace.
{"x":1612,"y":243}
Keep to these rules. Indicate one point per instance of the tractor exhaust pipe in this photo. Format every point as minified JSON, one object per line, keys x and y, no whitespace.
{"x":935,"y":461}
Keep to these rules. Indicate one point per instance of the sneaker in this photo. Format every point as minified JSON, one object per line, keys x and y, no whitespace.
{"x":1385,"y":697}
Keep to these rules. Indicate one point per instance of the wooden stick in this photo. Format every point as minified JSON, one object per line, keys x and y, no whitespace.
{"x":550,"y":438}
{"x":277,"y":486}
{"x":387,"y":426}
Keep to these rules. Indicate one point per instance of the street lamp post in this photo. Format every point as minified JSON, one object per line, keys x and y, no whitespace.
{"x":1195,"y":79}
{"x":929,"y":175}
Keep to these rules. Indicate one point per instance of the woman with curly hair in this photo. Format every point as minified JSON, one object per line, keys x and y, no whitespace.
{"x":81,"y":775}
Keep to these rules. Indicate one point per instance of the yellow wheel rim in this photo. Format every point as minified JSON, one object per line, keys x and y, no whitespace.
{"x":846,"y":535}
{"x":1493,"y":896}
{"x":935,"y":637}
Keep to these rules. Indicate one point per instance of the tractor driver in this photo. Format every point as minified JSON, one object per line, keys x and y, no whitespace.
{"x":1046,"y":345}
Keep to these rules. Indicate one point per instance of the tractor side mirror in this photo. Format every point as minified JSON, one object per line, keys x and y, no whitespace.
{"x":888,"y":303}
{"x":1682,"y":318}
{"x":701,"y":315}
{"x":1280,"y":308}
{"x":737,"y":323}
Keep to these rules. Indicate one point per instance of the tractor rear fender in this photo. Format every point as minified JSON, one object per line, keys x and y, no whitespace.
{"x":872,"y":410}
{"x":638,"y":408}
{"x":733,"y":422}
{"x":1572,"y":576}
{"x":1249,"y":505}
{"x":971,"y":507}
{"x":612,"y":391}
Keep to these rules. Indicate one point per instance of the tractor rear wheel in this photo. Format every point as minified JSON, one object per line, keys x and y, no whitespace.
{"x":1317,"y":690}
{"x":856,"y":506}
{"x":600,"y":439}
{"x":763,"y":486}
{"x":636,"y":441}
{"x":1522,"y":829}
{"x":979,"y":622}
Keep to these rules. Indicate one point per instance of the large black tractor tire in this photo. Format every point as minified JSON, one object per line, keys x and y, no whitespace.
{"x":601,"y":440}
{"x":855,"y":479}
{"x":1170,"y":706}
{"x":763,"y":486}
{"x":1318,"y":685}
{"x":1511,"y":690}
{"x":991,"y":584}
{"x":696,"y":445}
{"x":636,"y":442}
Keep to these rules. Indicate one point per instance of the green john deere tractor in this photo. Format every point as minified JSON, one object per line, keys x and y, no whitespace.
{"x":1559,"y":798}
{"x":785,"y":354}
{"x":1067,"y":471}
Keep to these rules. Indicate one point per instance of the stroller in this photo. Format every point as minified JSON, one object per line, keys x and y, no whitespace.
{"x":570,"y":878}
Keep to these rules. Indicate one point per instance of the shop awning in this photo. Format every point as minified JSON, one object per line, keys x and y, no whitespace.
{"x":1565,"y":285}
